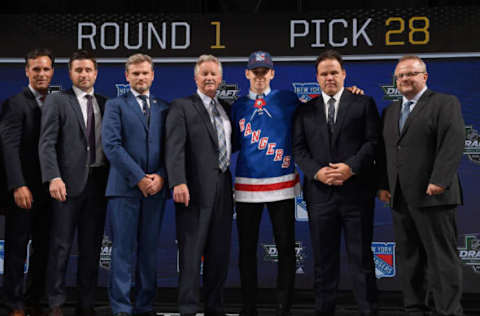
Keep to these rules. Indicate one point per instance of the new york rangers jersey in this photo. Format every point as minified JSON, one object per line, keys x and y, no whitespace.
{"x":265,"y":171}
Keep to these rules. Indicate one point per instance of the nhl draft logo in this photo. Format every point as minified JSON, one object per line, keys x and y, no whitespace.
{"x":470,"y":252}
{"x":122,"y":88}
{"x":472,"y":144}
{"x":306,"y":90}
{"x":106,"y":253}
{"x":271,"y":255}
{"x":391,"y":92}
{"x":2,"y":257}
{"x":228,"y":92}
{"x":301,"y":214}
{"x":384,"y":258}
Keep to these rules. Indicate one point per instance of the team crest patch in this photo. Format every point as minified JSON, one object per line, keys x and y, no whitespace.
{"x":260,"y":108}
{"x":122,"y":88}
{"x":306,"y":90}
{"x":384,"y":258}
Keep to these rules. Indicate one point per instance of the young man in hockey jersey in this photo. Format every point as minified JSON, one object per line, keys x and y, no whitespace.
{"x":265,"y":176}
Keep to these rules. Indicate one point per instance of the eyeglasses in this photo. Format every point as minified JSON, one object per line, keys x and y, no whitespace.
{"x":409,"y":74}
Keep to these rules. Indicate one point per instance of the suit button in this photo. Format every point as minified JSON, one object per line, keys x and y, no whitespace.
{"x":399,"y":147}
{"x":88,"y":148}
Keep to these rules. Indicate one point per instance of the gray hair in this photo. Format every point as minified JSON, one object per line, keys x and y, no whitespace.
{"x":413,"y":57}
{"x":137,"y":59}
{"x":204,"y":58}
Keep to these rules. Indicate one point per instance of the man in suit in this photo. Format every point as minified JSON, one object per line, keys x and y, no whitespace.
{"x":334,"y":142}
{"x":74,"y":166}
{"x":198,"y":149}
{"x":424,"y":137}
{"x":28,"y":218}
{"x":133,"y":140}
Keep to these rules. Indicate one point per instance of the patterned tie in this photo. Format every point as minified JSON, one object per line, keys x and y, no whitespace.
{"x":222,"y":143}
{"x":331,"y":115}
{"x":91,"y":128}
{"x":404,"y":114}
{"x":146,"y":109}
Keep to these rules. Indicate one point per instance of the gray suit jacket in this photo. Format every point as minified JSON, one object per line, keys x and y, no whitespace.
{"x":63,"y":141}
{"x":428,"y":150}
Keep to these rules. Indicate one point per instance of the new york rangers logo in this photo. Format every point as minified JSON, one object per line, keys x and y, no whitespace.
{"x":260,"y":109}
{"x":260,"y":57}
{"x":384,"y":258}
{"x":306,"y":90}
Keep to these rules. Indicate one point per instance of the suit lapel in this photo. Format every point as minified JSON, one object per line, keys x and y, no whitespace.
{"x":415,"y":112}
{"x":343,"y":105}
{"x":205,"y":117}
{"x":30,"y":97}
{"x":135,"y":107}
{"x":320,"y":118}
{"x":155,"y":108}
{"x":77,"y":110}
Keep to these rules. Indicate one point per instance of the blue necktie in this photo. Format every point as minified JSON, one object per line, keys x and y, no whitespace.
{"x":222,"y":144}
{"x":404,"y":114}
{"x":146,"y":109}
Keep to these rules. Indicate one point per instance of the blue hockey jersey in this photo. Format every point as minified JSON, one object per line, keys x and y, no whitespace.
{"x":262,"y":129}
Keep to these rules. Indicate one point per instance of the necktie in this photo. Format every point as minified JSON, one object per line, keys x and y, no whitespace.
{"x":404,"y":114}
{"x":222,"y":143}
{"x":91,"y":128}
{"x":42,"y":98}
{"x":146,"y":109}
{"x":260,"y":96}
{"x":331,"y":115}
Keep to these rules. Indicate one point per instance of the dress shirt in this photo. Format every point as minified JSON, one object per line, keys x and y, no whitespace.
{"x":227,"y":127}
{"x":82,"y":100}
{"x":414,"y":99}
{"x":327,"y":97}
{"x":37,"y":96}
{"x":140,"y":102}
{"x":253,"y":95}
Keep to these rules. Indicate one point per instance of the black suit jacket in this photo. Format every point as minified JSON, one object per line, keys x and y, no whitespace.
{"x":428,"y":150}
{"x":353,"y":142}
{"x":63,"y":141}
{"x":192,"y":149}
{"x":20,"y":130}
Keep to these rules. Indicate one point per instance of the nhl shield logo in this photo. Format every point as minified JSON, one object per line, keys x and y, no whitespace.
{"x":306,"y":90}
{"x":384,"y":258}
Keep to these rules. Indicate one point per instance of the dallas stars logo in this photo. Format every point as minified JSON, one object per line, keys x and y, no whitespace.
{"x":391,"y":91}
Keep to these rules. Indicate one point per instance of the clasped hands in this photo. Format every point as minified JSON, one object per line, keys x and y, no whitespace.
{"x":334,"y":174}
{"x":150,"y":184}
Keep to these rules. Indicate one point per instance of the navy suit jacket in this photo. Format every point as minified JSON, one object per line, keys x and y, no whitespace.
{"x":354,"y":141}
{"x":133,"y":148}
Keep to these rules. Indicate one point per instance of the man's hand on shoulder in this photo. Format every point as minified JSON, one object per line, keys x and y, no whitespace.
{"x":355,"y":90}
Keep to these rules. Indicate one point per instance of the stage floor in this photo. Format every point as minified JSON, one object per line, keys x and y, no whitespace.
{"x":390,"y":303}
